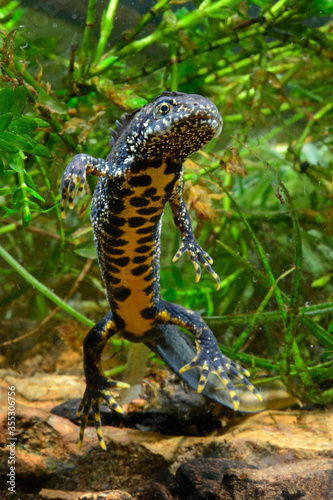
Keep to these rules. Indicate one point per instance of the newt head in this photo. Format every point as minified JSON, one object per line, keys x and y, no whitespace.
{"x":173,"y":126}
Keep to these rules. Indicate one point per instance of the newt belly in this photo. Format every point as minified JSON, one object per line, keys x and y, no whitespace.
{"x":142,"y":173}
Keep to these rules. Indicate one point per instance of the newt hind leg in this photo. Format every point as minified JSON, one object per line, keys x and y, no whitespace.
{"x":209,"y":358}
{"x":98,"y":385}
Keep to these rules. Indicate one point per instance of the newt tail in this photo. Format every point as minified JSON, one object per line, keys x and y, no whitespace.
{"x":142,"y":173}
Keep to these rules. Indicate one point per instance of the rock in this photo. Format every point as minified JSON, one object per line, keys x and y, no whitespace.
{"x":258,"y":451}
{"x":306,"y":480}
{"x":47,"y":456}
{"x":106,"y":495}
{"x":46,"y":494}
{"x":202,"y":478}
{"x":46,"y":388}
{"x":157,"y":491}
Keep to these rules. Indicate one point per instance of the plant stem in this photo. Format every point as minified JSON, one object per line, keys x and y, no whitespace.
{"x":26,"y":214}
{"x":106,"y":29}
{"x":317,"y":331}
{"x":86,"y":43}
{"x":290,"y":331}
{"x":173,"y":66}
{"x":262,"y":256}
{"x":309,"y":125}
{"x":238,"y":344}
{"x":43,"y":289}
{"x":153,"y":12}
{"x":54,"y":200}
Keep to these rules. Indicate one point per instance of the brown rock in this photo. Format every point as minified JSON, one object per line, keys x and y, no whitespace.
{"x":106,"y":495}
{"x":47,"y":454}
{"x":306,"y":480}
{"x":157,"y":491}
{"x":262,"y":440}
{"x":202,"y":478}
{"x":46,"y":494}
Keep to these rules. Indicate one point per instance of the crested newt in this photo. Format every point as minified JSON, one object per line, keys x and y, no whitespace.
{"x":141,"y":174}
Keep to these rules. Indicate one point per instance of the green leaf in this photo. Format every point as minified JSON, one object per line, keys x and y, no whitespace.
{"x":37,"y":149}
{"x":12,"y":211}
{"x":23,"y":143}
{"x":36,"y":208}
{"x":15,"y":165}
{"x":28,"y":180}
{"x":7,"y":146}
{"x":35,"y":194}
{"x":135,"y":102}
{"x":87,"y":250}
{"x":40,"y":122}
{"x":40,"y":150}
{"x":53,"y":105}
{"x":6,"y":100}
{"x":7,"y":191}
{"x":23,"y":125}
{"x":20,"y":101}
{"x":18,"y":197}
{"x":18,"y":141}
{"x":5,"y":120}
{"x":322,"y":281}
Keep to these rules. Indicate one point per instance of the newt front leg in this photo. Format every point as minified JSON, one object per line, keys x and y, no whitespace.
{"x":75,"y":173}
{"x":188,"y":242}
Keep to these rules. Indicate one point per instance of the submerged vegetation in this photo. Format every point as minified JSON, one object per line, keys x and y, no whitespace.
{"x":260,"y":195}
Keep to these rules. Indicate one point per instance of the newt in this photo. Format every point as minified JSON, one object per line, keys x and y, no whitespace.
{"x":142,"y":173}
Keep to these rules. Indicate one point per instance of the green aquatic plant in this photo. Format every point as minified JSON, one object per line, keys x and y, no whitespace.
{"x":260,"y":196}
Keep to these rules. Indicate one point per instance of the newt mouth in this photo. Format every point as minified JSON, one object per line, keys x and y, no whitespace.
{"x":212,"y":121}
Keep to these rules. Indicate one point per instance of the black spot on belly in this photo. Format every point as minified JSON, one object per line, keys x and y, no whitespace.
{"x":110,"y":269}
{"x":149,"y":210}
{"x":149,"y":289}
{"x":146,"y":230}
{"x":139,"y":259}
{"x":148,"y":313}
{"x":139,"y":202}
{"x":113,"y":242}
{"x":140,"y":270}
{"x":113,"y":281}
{"x":155,"y":198}
{"x":143,"y":249}
{"x":116,"y":232}
{"x":120,"y":323}
{"x":172,"y":168}
{"x":169,"y":187}
{"x":146,"y":239}
{"x":112,"y":251}
{"x":116,"y":205}
{"x":120,"y":294}
{"x":140,"y":180}
{"x":121,"y":261}
{"x":155,"y":218}
{"x":136,"y":221}
{"x":149,"y":192}
{"x":150,"y":276}
{"x":138,"y":166}
{"x":117,"y":221}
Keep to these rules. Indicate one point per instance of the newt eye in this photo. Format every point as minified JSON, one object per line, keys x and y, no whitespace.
{"x":163,"y":108}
